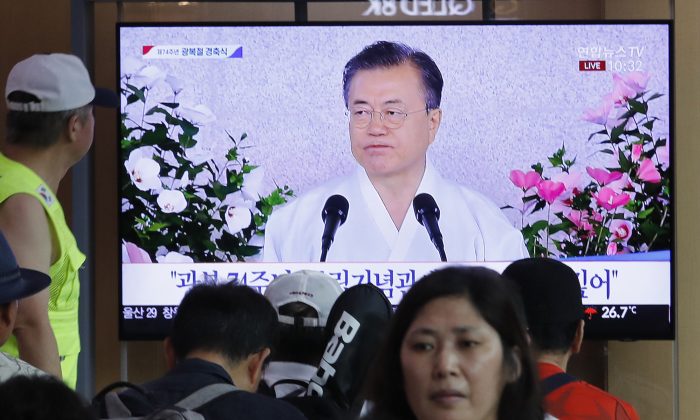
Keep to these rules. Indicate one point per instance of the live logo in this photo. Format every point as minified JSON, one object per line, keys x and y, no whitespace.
{"x":591,"y":65}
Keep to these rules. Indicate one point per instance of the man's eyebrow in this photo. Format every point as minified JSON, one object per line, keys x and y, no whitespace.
{"x":389,"y":102}
{"x":393,"y":102}
{"x":359,"y":102}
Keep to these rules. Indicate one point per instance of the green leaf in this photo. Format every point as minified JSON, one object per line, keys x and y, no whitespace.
{"x":187,"y":141}
{"x":188,"y":128}
{"x":219,"y":190}
{"x":232,"y":154}
{"x":539,"y":206}
{"x":132,"y":98}
{"x":625,"y":164}
{"x":638,"y":107}
{"x":158,"y":226}
{"x":537,"y":167}
{"x":140,"y":93}
{"x":603,"y":131}
{"x":654,"y":96}
{"x":171,"y":105}
{"x":645,"y":213}
{"x":617,"y":131}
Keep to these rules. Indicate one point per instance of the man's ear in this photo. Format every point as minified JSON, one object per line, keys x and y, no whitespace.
{"x":170,"y":358}
{"x":578,"y":337}
{"x":256,"y":362}
{"x":73,"y":127}
{"x":434,"y":119}
{"x":8,"y":314}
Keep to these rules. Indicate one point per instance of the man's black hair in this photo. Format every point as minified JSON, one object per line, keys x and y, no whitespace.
{"x":553,"y":338}
{"x":40,"y":129}
{"x":235,"y":321}
{"x":385,"y":54}
{"x":299,"y":343}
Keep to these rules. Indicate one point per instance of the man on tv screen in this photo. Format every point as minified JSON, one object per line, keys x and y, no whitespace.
{"x":392,"y":93}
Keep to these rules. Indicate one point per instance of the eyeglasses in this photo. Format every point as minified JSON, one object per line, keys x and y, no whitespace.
{"x":392,"y":118}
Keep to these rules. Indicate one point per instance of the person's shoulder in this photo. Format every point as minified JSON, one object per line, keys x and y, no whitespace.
{"x":471,"y":196}
{"x":581,"y":395}
{"x":11,"y":366}
{"x":26,"y":227}
{"x":253,"y":406}
{"x":315,"y":196}
{"x":621,"y":406}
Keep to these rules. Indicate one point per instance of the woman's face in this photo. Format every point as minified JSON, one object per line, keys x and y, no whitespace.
{"x":452,"y":363}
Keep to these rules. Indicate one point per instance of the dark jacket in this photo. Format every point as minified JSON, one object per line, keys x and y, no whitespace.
{"x":192,"y":374}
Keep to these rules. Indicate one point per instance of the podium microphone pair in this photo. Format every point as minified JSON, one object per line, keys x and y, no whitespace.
{"x":335,"y":212}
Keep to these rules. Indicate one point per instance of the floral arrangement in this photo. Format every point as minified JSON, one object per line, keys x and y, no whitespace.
{"x":179,"y":205}
{"x":620,"y":208}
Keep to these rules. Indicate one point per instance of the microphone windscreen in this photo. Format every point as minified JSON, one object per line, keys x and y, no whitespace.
{"x":424,"y":203}
{"x":338,"y":205}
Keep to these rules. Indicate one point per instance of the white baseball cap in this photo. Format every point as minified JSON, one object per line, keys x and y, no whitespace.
{"x":52,"y":83}
{"x":316,"y":289}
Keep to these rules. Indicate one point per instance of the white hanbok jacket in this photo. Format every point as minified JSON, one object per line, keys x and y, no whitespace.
{"x":472,"y":226}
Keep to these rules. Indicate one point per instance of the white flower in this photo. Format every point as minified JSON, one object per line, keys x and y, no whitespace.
{"x":185,"y":180}
{"x":149,"y":76}
{"x":133,"y":254}
{"x":197,"y":114}
{"x":171,"y":201}
{"x":143,"y":170}
{"x":176,"y":84}
{"x":236,"y":199}
{"x":174,"y":257}
{"x":131,"y":65}
{"x":252,"y":187}
{"x":237,"y":219}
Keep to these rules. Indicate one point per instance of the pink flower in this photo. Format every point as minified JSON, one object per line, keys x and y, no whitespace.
{"x":550,"y":190}
{"x":602,"y":176}
{"x":525,"y":180}
{"x":612,"y":248}
{"x":571,"y":179}
{"x":610,"y":200}
{"x":580,"y":220}
{"x":133,"y":254}
{"x":636,"y":80}
{"x":662,"y":155}
{"x":621,"y":184}
{"x":621,"y":91}
{"x":648,"y":172}
{"x":621,"y":230}
{"x":636,"y":152}
{"x":599,"y":114}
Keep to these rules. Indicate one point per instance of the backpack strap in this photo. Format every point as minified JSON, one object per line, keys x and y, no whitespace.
{"x":556,"y":381}
{"x":115,"y":407}
{"x":204,"y":395}
{"x":109,"y":402}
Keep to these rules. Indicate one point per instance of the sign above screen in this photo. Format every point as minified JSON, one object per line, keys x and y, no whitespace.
{"x":548,"y":139}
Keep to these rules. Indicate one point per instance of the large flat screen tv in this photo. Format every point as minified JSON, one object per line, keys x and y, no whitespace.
{"x":562,"y":131}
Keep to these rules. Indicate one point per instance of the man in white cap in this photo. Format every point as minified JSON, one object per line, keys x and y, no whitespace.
{"x":303,"y":300}
{"x":15,"y":283}
{"x":50,"y":128}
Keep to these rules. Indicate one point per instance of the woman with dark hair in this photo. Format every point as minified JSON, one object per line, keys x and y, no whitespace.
{"x":456,"y":349}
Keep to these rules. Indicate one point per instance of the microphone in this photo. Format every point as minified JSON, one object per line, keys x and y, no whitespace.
{"x":428,"y":214}
{"x":334,"y":213}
